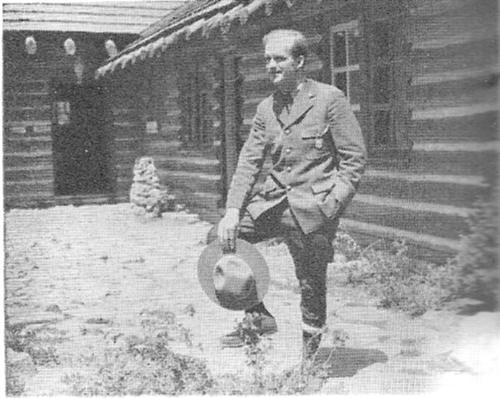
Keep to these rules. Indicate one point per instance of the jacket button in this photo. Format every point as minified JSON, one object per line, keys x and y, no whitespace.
{"x":289,"y":169}
{"x":287,"y":131}
{"x":288,"y":150}
{"x":288,"y":188}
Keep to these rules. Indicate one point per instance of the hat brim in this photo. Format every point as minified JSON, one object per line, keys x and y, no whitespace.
{"x":248,"y":253}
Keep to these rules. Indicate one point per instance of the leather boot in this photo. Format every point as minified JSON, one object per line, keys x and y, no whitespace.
{"x":263,"y":325}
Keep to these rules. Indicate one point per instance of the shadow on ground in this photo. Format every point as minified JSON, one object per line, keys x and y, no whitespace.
{"x":481,"y":306}
{"x":346,"y":362}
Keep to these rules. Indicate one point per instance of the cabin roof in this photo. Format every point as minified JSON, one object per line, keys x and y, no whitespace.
{"x":132,"y":17}
{"x":196,"y":16}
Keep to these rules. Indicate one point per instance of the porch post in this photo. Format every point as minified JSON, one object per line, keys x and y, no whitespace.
{"x":231,"y":115}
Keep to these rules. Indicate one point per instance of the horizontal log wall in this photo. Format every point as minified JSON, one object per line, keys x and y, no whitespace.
{"x":453,"y":104}
{"x":28,"y":95}
{"x":127,"y":131}
{"x":28,"y":168}
{"x":189,"y":172}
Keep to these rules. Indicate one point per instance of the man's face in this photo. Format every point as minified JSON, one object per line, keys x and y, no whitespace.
{"x":280,"y":65}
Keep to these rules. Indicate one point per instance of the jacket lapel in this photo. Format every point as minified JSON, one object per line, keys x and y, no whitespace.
{"x":302,"y":103}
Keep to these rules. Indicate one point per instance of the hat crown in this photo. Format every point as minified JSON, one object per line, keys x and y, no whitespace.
{"x":233,"y":275}
{"x":236,"y":280}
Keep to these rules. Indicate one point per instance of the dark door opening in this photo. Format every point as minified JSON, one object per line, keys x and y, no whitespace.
{"x":80,"y":140}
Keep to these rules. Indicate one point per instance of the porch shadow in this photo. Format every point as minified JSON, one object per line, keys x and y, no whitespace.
{"x":346,"y":362}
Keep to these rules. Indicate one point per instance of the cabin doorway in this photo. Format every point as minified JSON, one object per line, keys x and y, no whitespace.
{"x":80,"y":140}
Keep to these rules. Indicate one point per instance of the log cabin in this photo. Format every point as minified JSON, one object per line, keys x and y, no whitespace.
{"x":421,"y":76}
{"x":56,"y":117}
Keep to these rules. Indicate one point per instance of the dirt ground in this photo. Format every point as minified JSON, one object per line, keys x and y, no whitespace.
{"x":80,"y":273}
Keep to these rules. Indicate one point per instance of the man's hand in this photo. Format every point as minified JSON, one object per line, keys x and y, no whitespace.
{"x":227,"y":231}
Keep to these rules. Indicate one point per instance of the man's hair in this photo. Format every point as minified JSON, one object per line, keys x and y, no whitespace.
{"x":299,"y":42}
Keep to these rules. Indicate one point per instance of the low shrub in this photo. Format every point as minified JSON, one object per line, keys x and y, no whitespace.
{"x":400,"y":281}
{"x":37,"y":342}
{"x":14,"y":385}
{"x":346,"y":245}
{"x":146,"y":366}
{"x":304,"y":378}
{"x":476,"y":265}
{"x":415,"y":286}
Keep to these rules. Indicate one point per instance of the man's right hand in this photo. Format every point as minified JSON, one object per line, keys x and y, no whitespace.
{"x":228,"y":229}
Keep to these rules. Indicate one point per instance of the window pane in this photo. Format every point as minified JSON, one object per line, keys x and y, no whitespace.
{"x":381,"y":84}
{"x":62,"y":111}
{"x":339,"y":49}
{"x":341,"y":82}
{"x":355,"y":89}
{"x":354,"y":47}
{"x":382,"y":127}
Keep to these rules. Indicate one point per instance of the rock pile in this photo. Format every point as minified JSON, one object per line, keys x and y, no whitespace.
{"x":147,"y":196}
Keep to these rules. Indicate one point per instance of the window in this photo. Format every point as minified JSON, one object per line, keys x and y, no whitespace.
{"x":152,"y":127}
{"x":369,"y":63}
{"x":381,"y":57}
{"x":62,"y":112}
{"x":197,"y":118}
{"x":344,"y":62}
{"x":386,"y":56}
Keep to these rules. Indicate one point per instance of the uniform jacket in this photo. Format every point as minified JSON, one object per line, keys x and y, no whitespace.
{"x":318,"y":155}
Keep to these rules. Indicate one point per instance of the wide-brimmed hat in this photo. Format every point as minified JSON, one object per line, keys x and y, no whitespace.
{"x":235,"y":280}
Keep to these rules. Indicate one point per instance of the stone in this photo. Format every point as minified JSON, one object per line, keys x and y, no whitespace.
{"x":147,"y":196}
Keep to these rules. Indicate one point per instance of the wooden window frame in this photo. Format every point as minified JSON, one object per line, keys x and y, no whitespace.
{"x":198,"y":125}
{"x":351,"y":27}
{"x":398,"y":145}
{"x":62,"y":112}
{"x":395,"y":80}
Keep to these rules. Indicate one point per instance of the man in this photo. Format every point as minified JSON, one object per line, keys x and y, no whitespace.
{"x":318,"y":156}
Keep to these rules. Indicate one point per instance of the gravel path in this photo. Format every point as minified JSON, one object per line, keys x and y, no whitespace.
{"x":81,"y":273}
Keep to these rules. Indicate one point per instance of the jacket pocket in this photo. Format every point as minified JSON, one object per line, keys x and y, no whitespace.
{"x":315,"y":143}
{"x":271,"y":189}
{"x":325,"y":199}
{"x":325,"y":185}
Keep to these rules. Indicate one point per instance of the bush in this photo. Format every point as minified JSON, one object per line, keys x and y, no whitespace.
{"x":304,"y":378}
{"x":416,"y":286}
{"x":37,"y":342}
{"x":146,"y":366}
{"x":13,"y":382}
{"x":476,"y":264}
{"x":400,"y":281}
{"x":346,"y":245}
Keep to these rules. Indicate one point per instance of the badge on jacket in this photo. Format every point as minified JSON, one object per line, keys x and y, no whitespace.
{"x":319,"y":139}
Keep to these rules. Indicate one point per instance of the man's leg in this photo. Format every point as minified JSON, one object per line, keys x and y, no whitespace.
{"x":254,"y":231}
{"x":311,"y":254}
